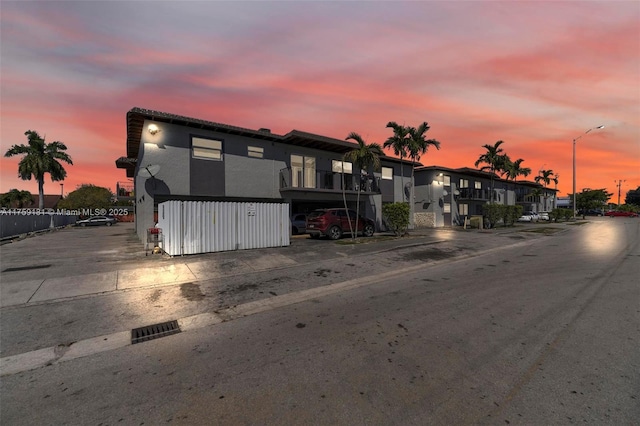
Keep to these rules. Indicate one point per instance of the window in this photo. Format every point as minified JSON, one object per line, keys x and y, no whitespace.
{"x":463,"y":209}
{"x":464,"y":183}
{"x":447,"y":180}
{"x":387,"y":173}
{"x":303,"y":171}
{"x":477,"y":184}
{"x":447,"y":207}
{"x":338,"y":166}
{"x":255,"y":151}
{"x":209,"y":149}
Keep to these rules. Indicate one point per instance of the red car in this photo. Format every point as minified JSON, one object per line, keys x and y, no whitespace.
{"x":333,"y":223}
{"x":614,"y":213}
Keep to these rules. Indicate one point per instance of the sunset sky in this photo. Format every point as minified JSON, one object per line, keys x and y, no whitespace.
{"x":533,"y":74}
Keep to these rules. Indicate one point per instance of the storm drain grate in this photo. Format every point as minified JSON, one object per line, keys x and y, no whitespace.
{"x":155,"y":331}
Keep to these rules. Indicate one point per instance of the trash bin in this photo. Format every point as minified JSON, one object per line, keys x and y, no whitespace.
{"x":154,"y":240}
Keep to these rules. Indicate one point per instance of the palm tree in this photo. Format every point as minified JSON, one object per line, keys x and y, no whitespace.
{"x":418,"y":145}
{"x":513,"y":170}
{"x":493,"y":159}
{"x":362,"y":157}
{"x":40,"y":158}
{"x":17,"y":198}
{"x":399,"y":142}
{"x":546,"y":176}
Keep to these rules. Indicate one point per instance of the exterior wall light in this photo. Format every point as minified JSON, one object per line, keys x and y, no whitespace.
{"x":153,"y":129}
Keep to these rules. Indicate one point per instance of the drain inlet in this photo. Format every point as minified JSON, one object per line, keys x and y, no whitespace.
{"x":155,"y":331}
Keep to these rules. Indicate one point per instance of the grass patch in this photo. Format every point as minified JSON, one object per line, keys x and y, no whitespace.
{"x":365,"y":240}
{"x":545,"y":230}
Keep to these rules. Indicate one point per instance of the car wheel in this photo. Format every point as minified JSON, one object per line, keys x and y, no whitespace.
{"x":294,"y":230}
{"x":83,"y":224}
{"x":335,"y":232}
{"x":368,"y":230}
{"x":109,"y":223}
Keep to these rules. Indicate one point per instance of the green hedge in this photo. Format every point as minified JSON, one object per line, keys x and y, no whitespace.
{"x":396,"y":216}
{"x":557,"y":215}
{"x":499,"y":212}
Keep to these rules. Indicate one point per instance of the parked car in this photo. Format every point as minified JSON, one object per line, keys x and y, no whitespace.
{"x":333,"y":223}
{"x":97,"y":221}
{"x":590,"y":212}
{"x":298,"y":224}
{"x":616,"y":213}
{"x":544,"y":215}
{"x":529,"y":217}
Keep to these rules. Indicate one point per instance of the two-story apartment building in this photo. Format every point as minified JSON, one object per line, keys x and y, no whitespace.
{"x":171,"y":157}
{"x":446,"y":196}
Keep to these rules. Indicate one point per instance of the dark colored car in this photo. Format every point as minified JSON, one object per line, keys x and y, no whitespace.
{"x":97,"y":221}
{"x":298,"y":224}
{"x":333,"y":223}
{"x":614,"y":213}
{"x":590,"y":212}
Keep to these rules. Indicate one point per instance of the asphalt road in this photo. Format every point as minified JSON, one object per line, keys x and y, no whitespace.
{"x":531,"y":331}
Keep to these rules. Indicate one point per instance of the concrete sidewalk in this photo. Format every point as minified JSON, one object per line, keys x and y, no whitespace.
{"x":71,"y":280}
{"x":59,"y":288}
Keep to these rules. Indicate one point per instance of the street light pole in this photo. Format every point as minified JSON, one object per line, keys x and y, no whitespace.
{"x":574,"y":167}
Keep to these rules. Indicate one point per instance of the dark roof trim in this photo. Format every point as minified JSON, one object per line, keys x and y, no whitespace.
{"x":136,"y":117}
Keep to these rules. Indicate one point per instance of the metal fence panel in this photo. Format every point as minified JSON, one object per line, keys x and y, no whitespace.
{"x":191,"y":227}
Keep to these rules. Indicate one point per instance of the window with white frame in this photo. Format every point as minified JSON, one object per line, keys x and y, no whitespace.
{"x":210,"y":149}
{"x":255,"y":151}
{"x":303,"y":171}
{"x":447,"y":207}
{"x":338,"y":166}
{"x":464,"y":183}
{"x":463,"y":209}
{"x":387,"y":173}
{"x":447,"y":180}
{"x":477,"y":184}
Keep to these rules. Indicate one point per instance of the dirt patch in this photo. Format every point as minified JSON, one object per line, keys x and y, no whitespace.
{"x":430,"y":254}
{"x":191,"y":292}
{"x":544,"y":231}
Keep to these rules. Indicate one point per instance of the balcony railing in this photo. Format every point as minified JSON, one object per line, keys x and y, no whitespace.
{"x":298,"y":179}
{"x":124,"y":190}
{"x":475,"y":194}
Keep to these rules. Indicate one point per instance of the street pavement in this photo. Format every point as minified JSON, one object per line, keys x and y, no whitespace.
{"x":76,"y":262}
{"x":65,"y":270}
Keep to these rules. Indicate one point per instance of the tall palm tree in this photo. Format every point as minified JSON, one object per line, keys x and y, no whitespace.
{"x":493,"y":159}
{"x":363,"y":157}
{"x":418,"y":145}
{"x":546,"y":177}
{"x":513,"y":170}
{"x":399,"y":142}
{"x":40,"y":158}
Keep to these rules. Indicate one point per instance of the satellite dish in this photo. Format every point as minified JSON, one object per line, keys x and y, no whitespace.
{"x":149,"y":171}
{"x":444,"y":192}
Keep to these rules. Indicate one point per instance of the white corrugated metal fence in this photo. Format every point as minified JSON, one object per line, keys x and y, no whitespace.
{"x":191,"y":227}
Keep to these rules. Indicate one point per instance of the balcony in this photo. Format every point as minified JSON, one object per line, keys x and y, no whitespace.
{"x":475,"y":194}
{"x":124,"y":191}
{"x":326,"y":181}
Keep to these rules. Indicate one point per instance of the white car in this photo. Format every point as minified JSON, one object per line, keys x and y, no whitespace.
{"x":529,"y":217}
{"x":544,"y":215}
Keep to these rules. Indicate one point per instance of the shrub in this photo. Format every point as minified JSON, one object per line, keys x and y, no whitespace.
{"x":511,"y":214}
{"x":397,"y":217}
{"x":557,"y":215}
{"x":493,"y":213}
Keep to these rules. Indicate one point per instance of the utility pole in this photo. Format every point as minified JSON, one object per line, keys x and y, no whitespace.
{"x":619,"y":185}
